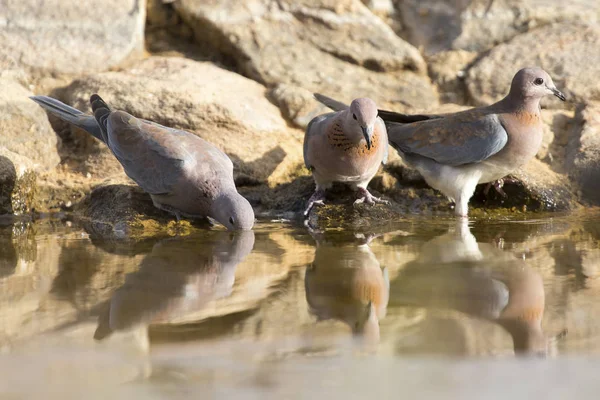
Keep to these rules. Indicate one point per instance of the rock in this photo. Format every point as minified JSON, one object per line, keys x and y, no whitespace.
{"x":479,"y":25}
{"x":557,"y":129}
{"x":583,"y":152}
{"x":311,"y":44}
{"x":120,"y":211}
{"x":70,"y":36}
{"x":17,"y":183}
{"x":340,"y":212}
{"x":25,"y":127}
{"x":448,"y":71}
{"x":222,"y":107}
{"x":27,"y":146}
{"x":384,"y":7}
{"x":534,"y":187}
{"x":160,"y":14}
{"x":298,"y":105}
{"x":570,"y":53}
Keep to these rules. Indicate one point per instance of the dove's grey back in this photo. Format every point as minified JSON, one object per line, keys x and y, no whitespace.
{"x":459,"y":139}
{"x":156,"y":157}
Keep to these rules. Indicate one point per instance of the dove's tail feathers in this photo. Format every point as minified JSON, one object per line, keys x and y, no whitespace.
{"x":391,"y":116}
{"x":329,"y":102}
{"x":70,"y":114}
{"x":101,"y":111}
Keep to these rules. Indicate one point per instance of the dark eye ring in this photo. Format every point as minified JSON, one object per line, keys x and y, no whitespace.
{"x":231,"y":220}
{"x":538,"y":81}
{"x":354,"y":116}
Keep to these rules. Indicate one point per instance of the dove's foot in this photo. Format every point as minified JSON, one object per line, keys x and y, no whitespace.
{"x":317,"y":198}
{"x":364,"y":196}
{"x":171,"y":210}
{"x":498,"y":185}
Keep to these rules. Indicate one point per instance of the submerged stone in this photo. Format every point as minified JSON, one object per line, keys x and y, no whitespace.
{"x":127,"y":212}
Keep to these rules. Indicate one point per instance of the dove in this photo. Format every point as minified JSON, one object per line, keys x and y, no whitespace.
{"x":454,"y":272}
{"x":177,"y":279}
{"x":184,"y":174}
{"x":346,"y":282}
{"x":455,"y":152}
{"x":346,"y":146}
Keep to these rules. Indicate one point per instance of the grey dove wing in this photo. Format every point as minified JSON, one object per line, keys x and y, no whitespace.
{"x":463,"y":138}
{"x":157,"y":157}
{"x":314,"y":128}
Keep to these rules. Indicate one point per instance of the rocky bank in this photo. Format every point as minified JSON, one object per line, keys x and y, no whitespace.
{"x":241,"y":74}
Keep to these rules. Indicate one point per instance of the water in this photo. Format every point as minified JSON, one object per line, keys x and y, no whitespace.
{"x":422,"y":307}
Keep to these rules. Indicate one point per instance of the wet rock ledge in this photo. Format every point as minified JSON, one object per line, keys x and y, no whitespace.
{"x":242,"y":77}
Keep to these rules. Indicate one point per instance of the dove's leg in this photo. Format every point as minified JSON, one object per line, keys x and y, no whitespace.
{"x":461,"y":207}
{"x":317,"y":198}
{"x":165,"y":207}
{"x":498,"y":185}
{"x":364,"y":196}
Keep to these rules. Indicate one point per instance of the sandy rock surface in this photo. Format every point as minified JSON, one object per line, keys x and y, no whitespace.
{"x":70,"y":36}
{"x":242,"y":76}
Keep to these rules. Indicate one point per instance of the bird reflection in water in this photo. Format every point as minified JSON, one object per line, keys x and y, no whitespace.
{"x":346,"y":283}
{"x":455,"y":272}
{"x":179,"y":276}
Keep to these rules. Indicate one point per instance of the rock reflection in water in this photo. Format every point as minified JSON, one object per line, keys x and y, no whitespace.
{"x":345,"y":282}
{"x":454,"y":272}
{"x":178,"y":277}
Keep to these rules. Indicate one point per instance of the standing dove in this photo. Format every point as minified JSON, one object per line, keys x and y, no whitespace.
{"x":455,"y":152}
{"x":184,"y":174}
{"x":346,"y":146}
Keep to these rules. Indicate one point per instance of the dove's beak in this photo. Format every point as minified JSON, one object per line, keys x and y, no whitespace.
{"x":558,"y":94}
{"x":367,"y":133}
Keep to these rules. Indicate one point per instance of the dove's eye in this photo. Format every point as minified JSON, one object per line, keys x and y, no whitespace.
{"x":538,"y":81}
{"x":231,"y":220}
{"x":354,"y":116}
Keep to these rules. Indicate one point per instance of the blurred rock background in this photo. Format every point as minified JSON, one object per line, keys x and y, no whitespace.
{"x":241,"y":74}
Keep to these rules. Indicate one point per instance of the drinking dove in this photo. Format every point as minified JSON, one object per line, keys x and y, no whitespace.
{"x":455,"y":152}
{"x":184,"y":174}
{"x":346,"y":146}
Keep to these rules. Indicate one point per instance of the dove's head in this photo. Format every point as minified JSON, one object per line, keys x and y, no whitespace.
{"x":534,"y":83}
{"x":363,"y":112}
{"x":233,"y":211}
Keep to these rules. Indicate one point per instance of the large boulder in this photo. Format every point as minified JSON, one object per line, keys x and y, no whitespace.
{"x":335,"y":47}
{"x":477,"y":25}
{"x":533,"y":187}
{"x":448,"y":71}
{"x":222,"y":107}
{"x":570,"y":53}
{"x":28,"y":145}
{"x":583,"y":152}
{"x":17,"y":183}
{"x":70,"y":36}
{"x":25,"y":127}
